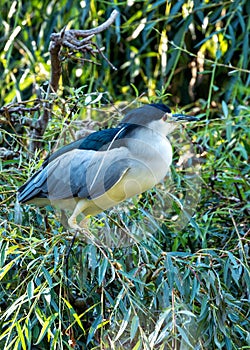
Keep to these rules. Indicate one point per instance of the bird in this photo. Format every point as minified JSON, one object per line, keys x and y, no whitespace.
{"x":108,"y":166}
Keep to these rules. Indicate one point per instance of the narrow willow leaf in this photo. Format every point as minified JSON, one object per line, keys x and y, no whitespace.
{"x":21,"y":300}
{"x":242,"y":22}
{"x":123,"y":325}
{"x":246,"y":50}
{"x":134,"y":327}
{"x":170,"y":271}
{"x":74,"y":314}
{"x":56,"y":257}
{"x":153,"y":336}
{"x":78,"y":320}
{"x":135,"y":90}
{"x":195,"y":289}
{"x":56,"y":341}
{"x":40,"y":316}
{"x":137,"y":345}
{"x":93,"y":328}
{"x":20,"y":335}
{"x":102,"y":270}
{"x":27,"y":331}
{"x":187,"y":313}
{"x":184,"y":336}
{"x":46,"y":327}
{"x":97,"y":99}
{"x":131,"y":277}
{"x":48,"y":277}
{"x":4,"y":247}
{"x":175,"y":8}
{"x":6,"y":269}
{"x":30,"y":289}
{"x":156,"y":4}
{"x":224,"y":108}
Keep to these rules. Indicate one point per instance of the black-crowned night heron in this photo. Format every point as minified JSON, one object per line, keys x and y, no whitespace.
{"x":108,"y":166}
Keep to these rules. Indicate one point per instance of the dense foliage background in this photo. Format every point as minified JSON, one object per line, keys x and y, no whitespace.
{"x":170,"y":269}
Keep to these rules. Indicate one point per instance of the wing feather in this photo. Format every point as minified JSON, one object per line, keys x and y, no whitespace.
{"x":77,"y":173}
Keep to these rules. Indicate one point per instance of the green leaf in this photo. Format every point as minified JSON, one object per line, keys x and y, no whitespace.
{"x":102,"y":270}
{"x":93,"y":328}
{"x":123,"y":324}
{"x":184,"y":336}
{"x":3,"y":253}
{"x":30,"y":289}
{"x":28,"y":331}
{"x":74,"y":314}
{"x":224,"y":108}
{"x":47,"y":276}
{"x":134,"y":327}
{"x":137,"y":345}
{"x":131,"y":277}
{"x":135,"y":90}
{"x":46,"y":327}
{"x":6,"y":269}
{"x":153,"y":336}
{"x":21,"y":335}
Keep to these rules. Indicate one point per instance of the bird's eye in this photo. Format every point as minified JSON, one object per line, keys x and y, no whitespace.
{"x":167,"y":116}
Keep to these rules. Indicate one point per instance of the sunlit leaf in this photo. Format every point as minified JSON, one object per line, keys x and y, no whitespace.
{"x":134,"y":327}
{"x":46,"y":327}
{"x":124,"y":324}
{"x":21,"y":335}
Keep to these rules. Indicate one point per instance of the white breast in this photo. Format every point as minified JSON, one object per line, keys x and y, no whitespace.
{"x":151,"y":155}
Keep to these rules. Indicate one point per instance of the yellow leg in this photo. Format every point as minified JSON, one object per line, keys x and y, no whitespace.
{"x":79,"y":208}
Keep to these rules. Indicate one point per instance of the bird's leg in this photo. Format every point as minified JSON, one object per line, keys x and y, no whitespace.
{"x":84,"y":223}
{"x":79,"y":208}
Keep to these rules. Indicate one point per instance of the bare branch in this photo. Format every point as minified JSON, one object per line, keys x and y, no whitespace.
{"x":18,"y":109}
{"x":69,"y":39}
{"x":99,"y":50}
{"x":7,"y":154}
{"x":56,"y":68}
{"x":86,"y":33}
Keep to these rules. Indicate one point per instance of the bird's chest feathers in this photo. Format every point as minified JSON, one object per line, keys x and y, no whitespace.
{"x":151,"y":158}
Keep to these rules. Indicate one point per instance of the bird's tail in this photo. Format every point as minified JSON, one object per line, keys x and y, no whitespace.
{"x":34,"y":187}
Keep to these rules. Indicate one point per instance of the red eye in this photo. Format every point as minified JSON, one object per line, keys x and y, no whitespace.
{"x":166,"y":116}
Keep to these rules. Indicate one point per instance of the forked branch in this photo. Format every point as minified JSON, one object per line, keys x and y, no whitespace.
{"x":73,"y":41}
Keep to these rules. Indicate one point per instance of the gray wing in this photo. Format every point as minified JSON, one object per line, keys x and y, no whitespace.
{"x":78,"y":173}
{"x":103,"y":171}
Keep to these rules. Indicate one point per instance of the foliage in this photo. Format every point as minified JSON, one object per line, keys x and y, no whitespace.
{"x":139,"y":279}
{"x":179,"y":47}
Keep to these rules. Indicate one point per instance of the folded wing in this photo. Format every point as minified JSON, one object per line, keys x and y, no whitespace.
{"x":77,"y":173}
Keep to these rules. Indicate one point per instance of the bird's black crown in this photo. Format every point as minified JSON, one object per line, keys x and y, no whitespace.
{"x":161,"y":106}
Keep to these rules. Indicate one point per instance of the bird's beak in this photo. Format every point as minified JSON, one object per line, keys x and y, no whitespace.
{"x":178,"y":117}
{"x":183,"y":117}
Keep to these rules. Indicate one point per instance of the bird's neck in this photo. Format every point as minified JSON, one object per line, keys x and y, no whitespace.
{"x":150,"y":146}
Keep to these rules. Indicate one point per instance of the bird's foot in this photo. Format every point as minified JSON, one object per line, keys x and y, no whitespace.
{"x":83,"y":225}
{"x":78,"y":230}
{"x":73,"y":224}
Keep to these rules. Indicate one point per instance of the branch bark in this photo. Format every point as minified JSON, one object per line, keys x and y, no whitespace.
{"x":70,"y":40}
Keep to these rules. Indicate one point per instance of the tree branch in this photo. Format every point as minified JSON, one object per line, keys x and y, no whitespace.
{"x":68,"y":39}
{"x":89,"y":33}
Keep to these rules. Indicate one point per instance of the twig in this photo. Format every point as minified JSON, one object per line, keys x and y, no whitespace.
{"x":7,"y":154}
{"x":70,"y":40}
{"x":18,"y":109}
{"x":89,"y":33}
